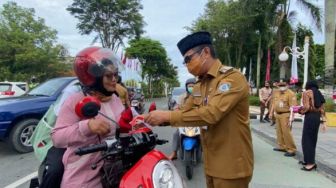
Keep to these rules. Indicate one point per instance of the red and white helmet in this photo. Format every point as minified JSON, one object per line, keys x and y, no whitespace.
{"x":91,"y":63}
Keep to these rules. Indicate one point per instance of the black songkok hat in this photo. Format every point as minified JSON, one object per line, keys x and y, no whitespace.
{"x":194,"y":40}
{"x":283,"y":82}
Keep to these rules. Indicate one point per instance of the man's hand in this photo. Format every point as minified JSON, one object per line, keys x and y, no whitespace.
{"x":99,"y":127}
{"x":157,"y":117}
{"x":138,"y":122}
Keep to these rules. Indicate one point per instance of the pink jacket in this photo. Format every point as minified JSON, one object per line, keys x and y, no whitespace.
{"x":71,"y":132}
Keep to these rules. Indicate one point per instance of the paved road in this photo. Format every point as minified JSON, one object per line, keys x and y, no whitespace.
{"x":272,"y":169}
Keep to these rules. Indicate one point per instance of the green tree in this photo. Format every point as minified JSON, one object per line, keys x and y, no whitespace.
{"x":319,"y":65}
{"x":113,"y":20}
{"x":285,"y":19}
{"x":27,"y":46}
{"x":156,"y":66}
{"x":246,"y":29}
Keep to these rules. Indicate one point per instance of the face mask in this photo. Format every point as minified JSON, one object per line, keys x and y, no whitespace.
{"x":194,"y":67}
{"x":283,"y":88}
{"x":190,"y":89}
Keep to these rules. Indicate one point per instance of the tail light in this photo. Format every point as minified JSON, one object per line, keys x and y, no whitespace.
{"x":7,"y":93}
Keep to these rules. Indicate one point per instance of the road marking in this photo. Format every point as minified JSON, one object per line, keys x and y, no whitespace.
{"x":22,"y":180}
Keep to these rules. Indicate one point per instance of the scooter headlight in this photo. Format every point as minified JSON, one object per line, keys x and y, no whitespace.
{"x":190,"y":131}
{"x":134,"y":103}
{"x":165,"y":175}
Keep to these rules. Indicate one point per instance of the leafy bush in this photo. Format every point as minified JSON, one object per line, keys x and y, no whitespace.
{"x":254,"y":100}
{"x":298,"y":97}
{"x":329,"y":106}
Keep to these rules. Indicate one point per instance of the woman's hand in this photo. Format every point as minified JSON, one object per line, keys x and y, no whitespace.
{"x":99,"y":127}
{"x":324,"y":127}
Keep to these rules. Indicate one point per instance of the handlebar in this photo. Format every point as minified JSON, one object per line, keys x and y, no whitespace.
{"x":112,"y":145}
{"x":161,"y":142}
{"x":91,"y":149}
{"x":97,"y":147}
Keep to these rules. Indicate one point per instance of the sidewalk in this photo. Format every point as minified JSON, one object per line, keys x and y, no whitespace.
{"x":325,"y":150}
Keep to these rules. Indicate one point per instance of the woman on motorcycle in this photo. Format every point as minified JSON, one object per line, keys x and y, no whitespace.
{"x":97,"y":71}
{"x":182,"y":99}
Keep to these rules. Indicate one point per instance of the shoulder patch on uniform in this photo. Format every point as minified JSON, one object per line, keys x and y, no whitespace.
{"x":223,"y":87}
{"x":225,"y":69}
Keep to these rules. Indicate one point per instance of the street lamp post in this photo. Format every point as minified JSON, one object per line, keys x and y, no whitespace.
{"x":296,"y":53}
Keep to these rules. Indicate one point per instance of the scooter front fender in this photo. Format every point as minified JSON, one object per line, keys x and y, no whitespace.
{"x":141,"y":173}
{"x":189,"y":143}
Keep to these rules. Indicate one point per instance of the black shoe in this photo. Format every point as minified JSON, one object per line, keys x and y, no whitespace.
{"x":262,"y":121}
{"x":267,"y":119}
{"x":272,"y":124}
{"x":302,"y":163}
{"x":278,"y":149}
{"x":287,"y":154}
{"x":309,"y":169}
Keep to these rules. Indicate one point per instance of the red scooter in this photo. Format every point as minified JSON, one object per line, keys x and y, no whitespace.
{"x":131,"y":160}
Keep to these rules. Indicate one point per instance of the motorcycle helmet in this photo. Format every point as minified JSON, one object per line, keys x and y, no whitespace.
{"x":90,"y":65}
{"x":189,"y":81}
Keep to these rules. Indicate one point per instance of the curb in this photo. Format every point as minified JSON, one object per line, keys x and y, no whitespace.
{"x":255,"y":116}
{"x":323,"y":168}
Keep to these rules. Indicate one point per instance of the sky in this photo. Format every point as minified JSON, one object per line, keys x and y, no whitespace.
{"x":165,"y":21}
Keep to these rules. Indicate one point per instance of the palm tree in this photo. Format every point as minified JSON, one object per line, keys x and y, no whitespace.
{"x":285,"y":19}
{"x":330,"y":6}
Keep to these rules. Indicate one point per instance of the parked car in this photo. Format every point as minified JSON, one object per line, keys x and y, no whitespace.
{"x":12,"y":89}
{"x":20,"y":115}
{"x":173,"y":97}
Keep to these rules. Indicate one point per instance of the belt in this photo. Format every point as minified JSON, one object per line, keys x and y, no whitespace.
{"x":313,"y":111}
{"x":282,"y":112}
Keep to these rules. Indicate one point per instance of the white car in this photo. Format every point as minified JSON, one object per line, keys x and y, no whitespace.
{"x":13,"y":89}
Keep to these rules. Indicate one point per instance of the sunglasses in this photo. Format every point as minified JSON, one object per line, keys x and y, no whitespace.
{"x":188,"y":58}
{"x":111,"y":75}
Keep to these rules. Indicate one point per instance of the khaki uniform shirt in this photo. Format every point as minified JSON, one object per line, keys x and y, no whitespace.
{"x":219,"y":104}
{"x":123,"y":95}
{"x":282,"y":102}
{"x":265,"y":93}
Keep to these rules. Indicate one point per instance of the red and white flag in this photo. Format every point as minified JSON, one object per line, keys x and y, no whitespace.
{"x":268,"y":68}
{"x":294,"y":69}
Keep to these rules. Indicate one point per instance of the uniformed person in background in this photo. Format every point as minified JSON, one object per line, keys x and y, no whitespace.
{"x":264,"y":98}
{"x":282,"y":100}
{"x":274,"y":89}
{"x":219,"y":105}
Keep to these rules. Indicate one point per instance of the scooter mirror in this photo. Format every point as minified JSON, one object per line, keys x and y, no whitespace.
{"x":152,"y":107}
{"x":88,"y":107}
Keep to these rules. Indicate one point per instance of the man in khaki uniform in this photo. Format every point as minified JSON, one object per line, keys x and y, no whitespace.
{"x":264,"y":97}
{"x":219,"y":105}
{"x":123,"y":95}
{"x":282,"y":100}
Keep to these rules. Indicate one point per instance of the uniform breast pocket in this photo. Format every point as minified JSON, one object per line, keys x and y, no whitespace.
{"x":197,"y":101}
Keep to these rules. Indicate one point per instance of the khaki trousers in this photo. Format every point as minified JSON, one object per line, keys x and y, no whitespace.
{"x":284,"y":135}
{"x":213,"y":182}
